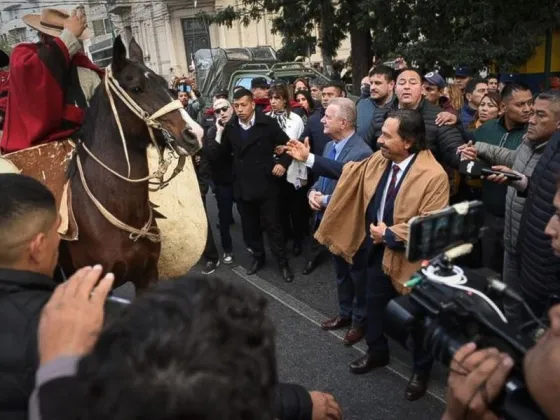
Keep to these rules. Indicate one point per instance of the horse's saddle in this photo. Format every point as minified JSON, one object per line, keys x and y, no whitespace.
{"x":48,"y":163}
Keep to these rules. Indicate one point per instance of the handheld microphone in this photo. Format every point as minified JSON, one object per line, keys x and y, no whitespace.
{"x":478,"y":170}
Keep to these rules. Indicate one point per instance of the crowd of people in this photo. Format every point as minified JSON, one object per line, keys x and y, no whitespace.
{"x":319,"y":174}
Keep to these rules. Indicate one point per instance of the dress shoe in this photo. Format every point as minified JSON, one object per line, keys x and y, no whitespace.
{"x":256,"y":265}
{"x":287,"y":274}
{"x":309,"y":267}
{"x":353,"y":335}
{"x":417,"y":386}
{"x":336,"y":323}
{"x":297,"y":249}
{"x":369,"y":361}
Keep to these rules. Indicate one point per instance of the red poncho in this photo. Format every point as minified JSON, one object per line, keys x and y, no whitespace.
{"x":36,"y":109}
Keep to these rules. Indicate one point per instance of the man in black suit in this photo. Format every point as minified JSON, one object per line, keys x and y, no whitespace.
{"x":250,"y":138}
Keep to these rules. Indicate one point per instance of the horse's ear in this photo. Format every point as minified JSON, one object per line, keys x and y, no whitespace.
{"x":135,"y":51}
{"x":119,"y":55}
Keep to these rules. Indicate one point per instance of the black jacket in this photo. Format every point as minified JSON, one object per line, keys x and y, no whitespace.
{"x":315,"y":131}
{"x":22,"y":297}
{"x":443,"y":141}
{"x":62,"y":399}
{"x":253,"y":158}
{"x":379,"y":117}
{"x":221,"y":165}
{"x":540,"y":268}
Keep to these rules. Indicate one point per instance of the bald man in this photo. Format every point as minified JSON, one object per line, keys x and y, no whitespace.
{"x":28,"y":256}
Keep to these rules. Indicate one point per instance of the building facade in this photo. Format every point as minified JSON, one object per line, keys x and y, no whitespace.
{"x":169,"y":31}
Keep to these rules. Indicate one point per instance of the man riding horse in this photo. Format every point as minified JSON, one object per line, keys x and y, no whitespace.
{"x":50,"y":82}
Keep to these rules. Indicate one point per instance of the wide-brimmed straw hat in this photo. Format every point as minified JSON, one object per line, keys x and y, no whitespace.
{"x":51,"y":22}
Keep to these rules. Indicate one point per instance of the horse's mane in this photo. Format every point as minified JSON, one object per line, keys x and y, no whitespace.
{"x":96,"y":107}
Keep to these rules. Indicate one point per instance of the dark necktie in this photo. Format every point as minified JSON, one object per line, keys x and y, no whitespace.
{"x":392,"y":191}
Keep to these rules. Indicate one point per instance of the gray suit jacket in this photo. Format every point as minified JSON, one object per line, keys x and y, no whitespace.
{"x":354,"y":150}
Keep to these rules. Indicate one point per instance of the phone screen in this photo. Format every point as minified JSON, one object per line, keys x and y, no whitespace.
{"x":189,"y":89}
{"x":431,"y":235}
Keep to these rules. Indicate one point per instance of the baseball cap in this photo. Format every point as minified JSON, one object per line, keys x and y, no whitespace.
{"x":463,"y":71}
{"x":259,"y":82}
{"x":434,"y":78}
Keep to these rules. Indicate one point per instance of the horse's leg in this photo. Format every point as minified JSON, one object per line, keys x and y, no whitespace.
{"x":150,"y":277}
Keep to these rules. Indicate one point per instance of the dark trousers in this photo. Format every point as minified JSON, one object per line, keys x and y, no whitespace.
{"x":314,"y":248}
{"x":294,"y":211}
{"x":379,"y":292}
{"x":351,"y":281}
{"x":210,"y":251}
{"x":493,"y":243}
{"x":266,"y":211}
{"x":224,"y":200}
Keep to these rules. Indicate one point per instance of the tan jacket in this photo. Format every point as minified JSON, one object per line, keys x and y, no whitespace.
{"x":424,"y":189}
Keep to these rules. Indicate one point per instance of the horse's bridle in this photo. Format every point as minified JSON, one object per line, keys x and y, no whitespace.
{"x":112,"y":86}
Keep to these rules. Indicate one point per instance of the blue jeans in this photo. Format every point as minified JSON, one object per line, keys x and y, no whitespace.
{"x":351,"y":282}
{"x":224,"y":199}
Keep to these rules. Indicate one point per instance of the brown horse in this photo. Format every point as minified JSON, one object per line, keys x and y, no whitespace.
{"x":130,"y":109}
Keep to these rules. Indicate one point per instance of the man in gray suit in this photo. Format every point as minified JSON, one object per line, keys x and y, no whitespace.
{"x":346,"y":146}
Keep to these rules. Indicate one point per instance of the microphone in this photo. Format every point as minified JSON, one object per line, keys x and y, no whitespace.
{"x":478,"y":170}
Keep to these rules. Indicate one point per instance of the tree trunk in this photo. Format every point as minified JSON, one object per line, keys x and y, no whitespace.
{"x":327,"y":22}
{"x":360,"y":43}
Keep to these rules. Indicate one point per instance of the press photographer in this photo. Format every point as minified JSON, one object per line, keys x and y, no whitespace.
{"x":497,"y":370}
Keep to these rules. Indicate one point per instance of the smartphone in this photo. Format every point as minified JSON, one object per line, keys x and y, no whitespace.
{"x":438,"y":232}
{"x":221,"y":122}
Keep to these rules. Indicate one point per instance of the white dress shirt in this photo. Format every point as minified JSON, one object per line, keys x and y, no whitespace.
{"x":403,"y":165}
{"x":249,"y":124}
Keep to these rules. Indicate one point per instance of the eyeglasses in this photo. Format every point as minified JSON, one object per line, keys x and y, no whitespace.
{"x":220,"y":110}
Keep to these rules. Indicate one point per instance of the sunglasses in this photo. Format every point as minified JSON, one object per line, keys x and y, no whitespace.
{"x":220,"y":110}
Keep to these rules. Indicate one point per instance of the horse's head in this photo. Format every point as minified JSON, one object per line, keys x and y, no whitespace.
{"x":150,"y":92}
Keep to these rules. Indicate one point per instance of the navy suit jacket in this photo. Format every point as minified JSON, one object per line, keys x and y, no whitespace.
{"x":354,"y":150}
{"x":391,"y":240}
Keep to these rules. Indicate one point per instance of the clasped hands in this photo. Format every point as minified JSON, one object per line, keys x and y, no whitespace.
{"x":376,"y":232}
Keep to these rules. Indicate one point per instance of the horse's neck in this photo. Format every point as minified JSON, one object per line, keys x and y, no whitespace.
{"x":104,"y":141}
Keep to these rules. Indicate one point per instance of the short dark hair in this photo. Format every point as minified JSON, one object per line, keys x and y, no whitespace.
{"x":383,"y":70}
{"x":415,"y":70}
{"x":473,"y":83}
{"x":411,"y":127}
{"x":334,"y":84}
{"x":492,"y":76}
{"x":553,"y":97}
{"x":22,"y":195}
{"x":194,"y":347}
{"x":510,"y":88}
{"x":241,"y":93}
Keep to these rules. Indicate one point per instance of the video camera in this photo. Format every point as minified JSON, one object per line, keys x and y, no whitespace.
{"x":443,"y":313}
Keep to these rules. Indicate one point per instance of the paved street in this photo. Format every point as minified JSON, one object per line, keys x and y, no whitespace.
{"x":318,"y":359}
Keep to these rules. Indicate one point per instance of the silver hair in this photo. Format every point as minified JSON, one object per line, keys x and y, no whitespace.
{"x":346,"y":110}
{"x":553,"y":97}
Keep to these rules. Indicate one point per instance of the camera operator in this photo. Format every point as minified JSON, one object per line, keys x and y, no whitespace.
{"x":477,"y":377}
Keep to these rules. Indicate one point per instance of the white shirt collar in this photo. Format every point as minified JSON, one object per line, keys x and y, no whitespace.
{"x":250,"y":124}
{"x":404,"y":164}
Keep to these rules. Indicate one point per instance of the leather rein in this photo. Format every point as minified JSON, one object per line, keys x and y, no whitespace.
{"x":149,"y":230}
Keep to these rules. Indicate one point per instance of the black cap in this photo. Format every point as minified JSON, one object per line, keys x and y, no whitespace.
{"x":4,"y":59}
{"x":259,"y":82}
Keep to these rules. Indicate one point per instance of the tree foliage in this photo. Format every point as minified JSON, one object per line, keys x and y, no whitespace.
{"x":474,"y":33}
{"x":294,"y":20}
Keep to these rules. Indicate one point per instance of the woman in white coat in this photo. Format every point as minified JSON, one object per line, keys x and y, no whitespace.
{"x":295,"y":211}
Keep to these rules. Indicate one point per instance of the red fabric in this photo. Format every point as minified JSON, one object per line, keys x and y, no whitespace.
{"x":293,"y":105}
{"x":209,"y":112}
{"x":3,"y":91}
{"x":35,"y":107}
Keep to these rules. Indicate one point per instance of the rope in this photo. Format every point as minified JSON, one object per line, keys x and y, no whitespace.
{"x":148,"y":231}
